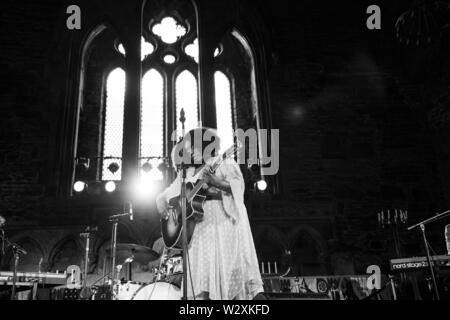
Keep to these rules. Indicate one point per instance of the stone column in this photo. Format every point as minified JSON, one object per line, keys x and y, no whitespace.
{"x":133,"y":69}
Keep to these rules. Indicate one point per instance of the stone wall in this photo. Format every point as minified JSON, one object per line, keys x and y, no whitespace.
{"x":362,"y":130}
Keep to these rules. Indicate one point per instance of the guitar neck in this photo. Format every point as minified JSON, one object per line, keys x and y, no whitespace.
{"x":200,"y":183}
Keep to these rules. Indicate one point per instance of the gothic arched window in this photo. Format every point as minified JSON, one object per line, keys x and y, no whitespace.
{"x":169,"y":58}
{"x":152,"y":122}
{"x":113,"y":127}
{"x":186,"y":98}
{"x":224,"y":113}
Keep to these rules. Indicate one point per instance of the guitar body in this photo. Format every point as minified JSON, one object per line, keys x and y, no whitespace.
{"x":172,"y":225}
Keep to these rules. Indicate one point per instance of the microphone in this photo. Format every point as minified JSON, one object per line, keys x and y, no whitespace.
{"x":2,"y":221}
{"x":92,"y":229}
{"x":88,"y":231}
{"x":130,"y":210}
{"x":20,"y":249}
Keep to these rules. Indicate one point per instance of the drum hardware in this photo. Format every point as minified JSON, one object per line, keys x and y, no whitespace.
{"x":140,"y":254}
{"x":163,"y":288}
{"x":112,"y":281}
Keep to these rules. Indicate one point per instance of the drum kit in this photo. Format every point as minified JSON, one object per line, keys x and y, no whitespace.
{"x":165,"y":284}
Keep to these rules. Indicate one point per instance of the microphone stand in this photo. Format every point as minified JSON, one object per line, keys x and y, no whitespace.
{"x":87,"y":235}
{"x":183,"y":213}
{"x":115,"y":220}
{"x":17,"y":250}
{"x":427,"y":250}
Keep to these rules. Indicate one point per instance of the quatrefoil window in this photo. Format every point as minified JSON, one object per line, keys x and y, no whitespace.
{"x":169,"y":30}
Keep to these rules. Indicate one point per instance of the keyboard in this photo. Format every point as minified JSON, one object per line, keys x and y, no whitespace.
{"x":417,"y":263}
{"x":29,"y":278}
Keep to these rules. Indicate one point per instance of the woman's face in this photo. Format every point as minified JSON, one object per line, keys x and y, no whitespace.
{"x":195,"y":153}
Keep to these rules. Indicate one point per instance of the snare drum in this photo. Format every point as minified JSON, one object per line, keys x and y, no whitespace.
{"x":159,"y":290}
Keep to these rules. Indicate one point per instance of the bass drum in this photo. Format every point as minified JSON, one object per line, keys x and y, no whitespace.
{"x":159,"y":290}
{"x":127,"y":290}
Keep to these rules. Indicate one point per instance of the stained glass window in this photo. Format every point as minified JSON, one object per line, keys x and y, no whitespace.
{"x":169,"y":30}
{"x":154,"y":91}
{"x":152,"y":123}
{"x":186,"y":98}
{"x":223,"y":110}
{"x":113,"y":130}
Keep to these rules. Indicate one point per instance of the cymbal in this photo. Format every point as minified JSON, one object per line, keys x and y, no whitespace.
{"x":142,"y":254}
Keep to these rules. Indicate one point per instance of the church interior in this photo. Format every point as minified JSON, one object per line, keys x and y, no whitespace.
{"x":354,"y":108}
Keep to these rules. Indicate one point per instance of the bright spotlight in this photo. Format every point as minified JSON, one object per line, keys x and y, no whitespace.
{"x":110,"y":186}
{"x":79,"y":186}
{"x":261,"y":185}
{"x":144,"y":188}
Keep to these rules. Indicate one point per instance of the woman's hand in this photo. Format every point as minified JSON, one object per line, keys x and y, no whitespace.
{"x":161,"y":205}
{"x":212,"y":180}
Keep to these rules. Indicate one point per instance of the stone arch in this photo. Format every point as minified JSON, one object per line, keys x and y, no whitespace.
{"x":99,"y":255}
{"x":270,"y":244}
{"x":67,"y":251}
{"x":308,"y":251}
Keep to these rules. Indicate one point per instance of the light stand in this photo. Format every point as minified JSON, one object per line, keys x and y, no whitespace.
{"x":183,"y":213}
{"x":427,"y":250}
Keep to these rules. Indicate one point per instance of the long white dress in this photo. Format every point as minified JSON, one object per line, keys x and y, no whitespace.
{"x":222,"y":261}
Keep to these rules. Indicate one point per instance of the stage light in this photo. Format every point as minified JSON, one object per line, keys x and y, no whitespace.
{"x":113,"y":167}
{"x":147,"y":167}
{"x":144,"y":187}
{"x":79,"y":186}
{"x":261,"y":185}
{"x":110,"y":186}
